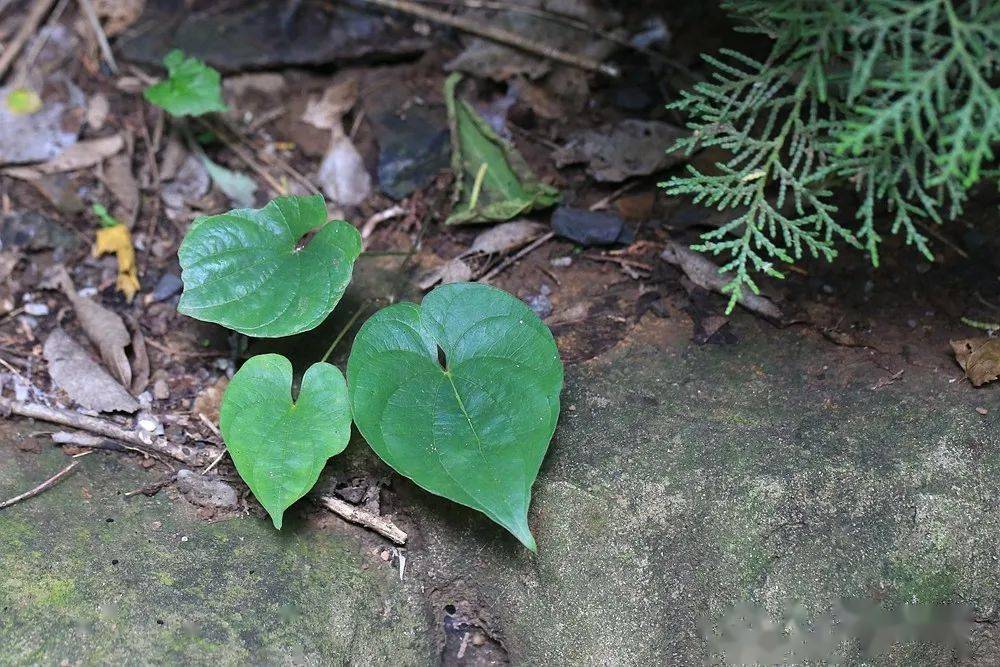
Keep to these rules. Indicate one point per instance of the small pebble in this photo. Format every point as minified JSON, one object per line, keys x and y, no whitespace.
{"x":478,"y":639}
{"x":561,"y":262}
{"x":36,"y":309}
{"x":982,"y":411}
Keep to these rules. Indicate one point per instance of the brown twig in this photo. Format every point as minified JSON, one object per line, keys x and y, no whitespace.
{"x":505,"y":37}
{"x":510,"y":261}
{"x":105,"y":428}
{"x":36,"y":15}
{"x":242,"y":154}
{"x":361,"y":517}
{"x":47,"y":484}
{"x":87,"y":7}
{"x":380,"y":217}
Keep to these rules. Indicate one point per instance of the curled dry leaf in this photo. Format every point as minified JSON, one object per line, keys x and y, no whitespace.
{"x":327,"y":111}
{"x":97,"y":111}
{"x":103,"y":327}
{"x":342,"y":175}
{"x":703,"y":273}
{"x":139,"y":360}
{"x":81,"y":155}
{"x":117,"y":15}
{"x":979,"y":358}
{"x":83,"y":379}
{"x":506,"y":237}
{"x":117,"y":177}
{"x":455,"y":271}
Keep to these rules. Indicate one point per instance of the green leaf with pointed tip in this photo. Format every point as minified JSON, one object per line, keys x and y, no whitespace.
{"x":475,"y":429}
{"x":493,"y":183}
{"x":191,"y":88}
{"x":248,"y":270}
{"x":279,"y":446}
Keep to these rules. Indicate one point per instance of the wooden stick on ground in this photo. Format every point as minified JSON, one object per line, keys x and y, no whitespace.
{"x":380,"y":525}
{"x":500,"y":35}
{"x":47,"y":484}
{"x":510,"y":261}
{"x":35,"y":16}
{"x":107,"y":429}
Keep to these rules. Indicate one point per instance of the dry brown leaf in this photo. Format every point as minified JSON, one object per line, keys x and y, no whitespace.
{"x":455,"y":271}
{"x":117,"y":15}
{"x":80,"y":155}
{"x":118,"y":240}
{"x":139,"y":360}
{"x":97,"y":111}
{"x":83,"y":379}
{"x":103,"y":327}
{"x":117,"y":177}
{"x":703,"y":273}
{"x":506,"y":237}
{"x":979,"y":358}
{"x":326,"y":111}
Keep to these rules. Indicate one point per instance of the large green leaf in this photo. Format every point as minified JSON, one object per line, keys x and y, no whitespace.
{"x":247,"y":269}
{"x":476,"y":428}
{"x":191,"y":88}
{"x":493,"y":183}
{"x":280,"y":447}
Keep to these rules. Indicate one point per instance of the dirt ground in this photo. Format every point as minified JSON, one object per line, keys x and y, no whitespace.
{"x":844,"y":327}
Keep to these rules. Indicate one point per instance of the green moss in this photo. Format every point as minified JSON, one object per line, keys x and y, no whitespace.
{"x":923,"y":584}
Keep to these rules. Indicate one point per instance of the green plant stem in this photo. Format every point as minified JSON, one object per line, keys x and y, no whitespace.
{"x":344,"y":330}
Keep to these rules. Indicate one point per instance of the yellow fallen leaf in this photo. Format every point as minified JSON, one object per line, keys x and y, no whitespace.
{"x":23,"y":101}
{"x":117,"y":239}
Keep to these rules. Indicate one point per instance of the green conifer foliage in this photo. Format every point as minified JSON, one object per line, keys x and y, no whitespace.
{"x":896,"y":98}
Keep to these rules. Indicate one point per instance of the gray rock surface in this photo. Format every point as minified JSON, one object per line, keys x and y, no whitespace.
{"x":683,"y":481}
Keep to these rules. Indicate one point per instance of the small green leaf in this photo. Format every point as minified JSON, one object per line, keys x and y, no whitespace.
{"x":245,"y":269}
{"x":493,"y":183}
{"x":105,"y":218}
{"x":23,"y":101}
{"x":192,"y":88}
{"x":461,"y":395}
{"x":279,"y":446}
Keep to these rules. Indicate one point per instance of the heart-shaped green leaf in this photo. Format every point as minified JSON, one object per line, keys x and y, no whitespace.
{"x":247,"y":269}
{"x":461,"y":395}
{"x":279,"y":446}
{"x":191,"y":88}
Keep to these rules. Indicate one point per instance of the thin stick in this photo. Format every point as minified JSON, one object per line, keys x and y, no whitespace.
{"x":211,"y":427}
{"x":510,"y":261}
{"x":214,"y":463}
{"x":606,"y":202}
{"x":102,"y":40}
{"x":497,"y":35}
{"x":380,"y":217}
{"x":105,"y":428}
{"x":240,"y":153}
{"x":344,"y":330}
{"x":275,"y":159}
{"x":35,"y":16}
{"x":361,"y":517}
{"x":47,"y":484}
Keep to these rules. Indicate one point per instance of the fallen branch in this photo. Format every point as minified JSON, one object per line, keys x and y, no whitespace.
{"x":499,"y":35}
{"x":380,"y":525}
{"x":47,"y":484}
{"x":108,"y":429}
